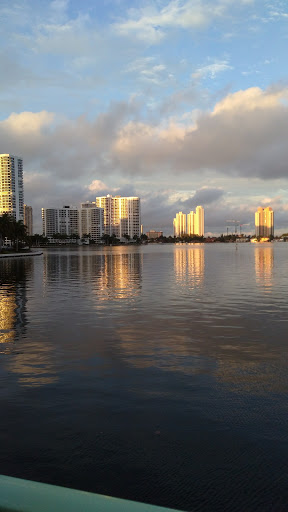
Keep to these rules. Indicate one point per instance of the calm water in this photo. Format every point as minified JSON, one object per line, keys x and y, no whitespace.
{"x":157,"y":374}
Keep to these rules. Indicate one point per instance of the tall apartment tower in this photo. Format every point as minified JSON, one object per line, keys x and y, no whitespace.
{"x":60,"y":220}
{"x":191,"y":223}
{"x":199,"y":221}
{"x":91,"y":220}
{"x":11,"y":186}
{"x":179,"y":224}
{"x":264,"y":222}
{"x":121,"y":215}
{"x":28,"y":219}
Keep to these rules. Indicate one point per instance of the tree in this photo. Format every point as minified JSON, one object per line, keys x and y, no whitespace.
{"x":12,"y":229}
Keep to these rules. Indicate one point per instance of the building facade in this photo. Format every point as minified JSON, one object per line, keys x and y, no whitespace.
{"x":152,"y":234}
{"x":199,"y":221}
{"x":11,"y":186}
{"x":64,"y":221}
{"x":264,"y":222}
{"x":192,"y":225}
{"x":179,"y":224}
{"x":91,"y":221}
{"x":28,"y":219}
{"x":122,"y":215}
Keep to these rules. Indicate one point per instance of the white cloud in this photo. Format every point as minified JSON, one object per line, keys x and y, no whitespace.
{"x":211,"y":70}
{"x":150,"y":24}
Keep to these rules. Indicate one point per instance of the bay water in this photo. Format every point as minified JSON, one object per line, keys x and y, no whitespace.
{"x":154,"y":373}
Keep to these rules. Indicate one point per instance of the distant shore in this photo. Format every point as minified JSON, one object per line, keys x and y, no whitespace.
{"x":21,"y":254}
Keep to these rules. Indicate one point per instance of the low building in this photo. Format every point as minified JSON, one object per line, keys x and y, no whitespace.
{"x":152,"y":234}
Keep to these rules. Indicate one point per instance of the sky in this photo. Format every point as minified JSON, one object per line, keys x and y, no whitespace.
{"x":180,"y":102}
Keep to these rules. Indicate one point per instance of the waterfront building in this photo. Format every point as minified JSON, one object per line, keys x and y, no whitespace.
{"x":199,"y":221}
{"x":179,"y":224}
{"x":152,"y":234}
{"x":192,"y":225}
{"x":28,"y":219}
{"x":91,"y":219}
{"x":264,"y":222}
{"x":60,"y":220}
{"x":11,"y":186}
{"x":121,"y":215}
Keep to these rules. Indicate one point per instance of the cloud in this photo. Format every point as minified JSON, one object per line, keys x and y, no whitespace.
{"x":68,"y":161}
{"x":151,"y":24}
{"x":211,"y":70}
{"x":244,"y":135}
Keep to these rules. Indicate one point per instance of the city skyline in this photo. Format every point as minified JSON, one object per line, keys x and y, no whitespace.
{"x":178,"y":102}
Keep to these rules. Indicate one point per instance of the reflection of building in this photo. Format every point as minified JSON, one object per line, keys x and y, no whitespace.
{"x":179,"y":224}
{"x":194,"y":224}
{"x":11,"y":186}
{"x":264,"y":221}
{"x":12,"y":298}
{"x":120,"y":276}
{"x":91,"y":221}
{"x":28,"y":219}
{"x":121,"y":215}
{"x":264,"y":262}
{"x":60,"y":220}
{"x":189,"y":265}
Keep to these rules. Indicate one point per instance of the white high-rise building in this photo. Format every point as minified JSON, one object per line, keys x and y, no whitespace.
{"x":264,"y":222}
{"x":121,"y":215}
{"x":60,"y":220}
{"x":179,"y":224}
{"x":91,"y":221}
{"x":11,"y":186}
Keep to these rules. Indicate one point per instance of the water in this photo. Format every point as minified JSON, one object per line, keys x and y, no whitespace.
{"x":154,"y":373}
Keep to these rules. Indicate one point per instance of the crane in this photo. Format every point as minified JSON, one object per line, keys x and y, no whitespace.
{"x":235,"y":223}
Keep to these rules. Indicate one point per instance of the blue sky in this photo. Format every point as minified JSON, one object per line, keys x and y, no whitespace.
{"x":181,"y":102}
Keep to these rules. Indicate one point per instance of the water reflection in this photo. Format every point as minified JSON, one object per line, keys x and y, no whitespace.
{"x":120,"y":276}
{"x":35,"y":364}
{"x":189,"y":264}
{"x":264,"y":263}
{"x":106,"y":274}
{"x":13,"y":298}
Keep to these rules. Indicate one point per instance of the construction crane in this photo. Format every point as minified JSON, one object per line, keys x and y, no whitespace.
{"x":235,"y":223}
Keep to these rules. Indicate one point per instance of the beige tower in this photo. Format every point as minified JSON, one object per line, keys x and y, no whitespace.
{"x":191,"y":223}
{"x":28,"y":219}
{"x":179,"y":224}
{"x":121,"y":215}
{"x":199,"y":221}
{"x":264,"y":222}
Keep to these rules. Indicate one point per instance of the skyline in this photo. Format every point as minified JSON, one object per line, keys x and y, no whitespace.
{"x":179,"y":103}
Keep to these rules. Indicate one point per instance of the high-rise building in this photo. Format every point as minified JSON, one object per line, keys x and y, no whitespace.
{"x":60,"y":220}
{"x":91,"y":221}
{"x":179,"y":224}
{"x":121,"y":215}
{"x":199,"y":221}
{"x":194,"y":225}
{"x":264,"y":222}
{"x":191,"y":223}
{"x":28,"y":219}
{"x":11,"y":186}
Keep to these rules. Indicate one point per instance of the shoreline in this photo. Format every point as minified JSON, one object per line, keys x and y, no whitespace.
{"x":21,"y":254}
